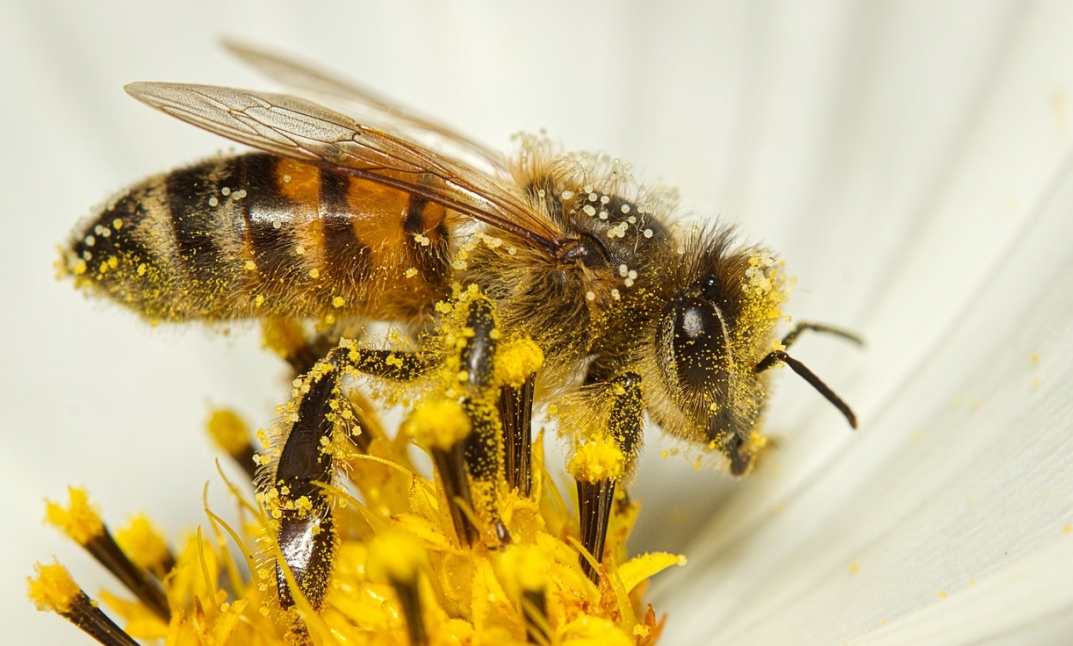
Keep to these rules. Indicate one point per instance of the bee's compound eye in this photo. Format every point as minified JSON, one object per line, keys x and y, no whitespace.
{"x":698,"y":339}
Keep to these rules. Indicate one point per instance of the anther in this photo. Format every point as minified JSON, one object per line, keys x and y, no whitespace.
{"x":54,"y":589}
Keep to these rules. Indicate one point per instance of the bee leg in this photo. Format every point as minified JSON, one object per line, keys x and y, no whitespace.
{"x":481,"y":451}
{"x":296,"y":493}
{"x":395,"y":365}
{"x":601,"y":463}
{"x":387,"y":364}
{"x":287,"y":338}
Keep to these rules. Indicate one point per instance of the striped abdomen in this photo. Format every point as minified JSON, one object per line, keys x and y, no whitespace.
{"x":262,"y":236}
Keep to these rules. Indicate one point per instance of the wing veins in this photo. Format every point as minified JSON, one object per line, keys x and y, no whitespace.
{"x":302,"y":76}
{"x":296,"y":128}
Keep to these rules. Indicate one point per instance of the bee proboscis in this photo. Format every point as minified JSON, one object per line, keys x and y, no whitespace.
{"x":546,"y":277}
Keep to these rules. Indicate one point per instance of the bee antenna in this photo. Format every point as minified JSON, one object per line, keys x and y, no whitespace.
{"x":809,"y":376}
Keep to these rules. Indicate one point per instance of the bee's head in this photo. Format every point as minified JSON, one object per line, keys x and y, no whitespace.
{"x":716,"y":325}
{"x":714,"y":340}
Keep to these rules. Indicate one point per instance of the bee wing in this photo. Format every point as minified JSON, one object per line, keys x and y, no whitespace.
{"x":370,"y":105}
{"x":292,"y":127}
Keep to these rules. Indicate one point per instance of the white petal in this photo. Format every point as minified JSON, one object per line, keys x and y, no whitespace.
{"x":959,"y":480}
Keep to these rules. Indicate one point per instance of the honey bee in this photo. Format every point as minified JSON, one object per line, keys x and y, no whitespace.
{"x":543,"y":277}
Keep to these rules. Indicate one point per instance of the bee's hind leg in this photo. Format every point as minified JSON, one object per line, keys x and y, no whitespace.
{"x":297,"y":490}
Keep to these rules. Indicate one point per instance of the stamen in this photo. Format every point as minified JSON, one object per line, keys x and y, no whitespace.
{"x":524,"y":570}
{"x":443,"y":427}
{"x":597,"y":466}
{"x":397,"y":558}
{"x":146,"y":547}
{"x":288,"y":340}
{"x":55,"y":590}
{"x":516,"y":373}
{"x":83,"y":524}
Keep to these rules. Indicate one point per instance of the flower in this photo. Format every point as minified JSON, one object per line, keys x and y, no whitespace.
{"x":398,"y":574}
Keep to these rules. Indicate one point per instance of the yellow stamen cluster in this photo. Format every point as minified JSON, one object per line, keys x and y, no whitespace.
{"x":399,"y":574}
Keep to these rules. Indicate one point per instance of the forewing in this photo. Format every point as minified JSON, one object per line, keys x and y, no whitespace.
{"x":383,"y":111}
{"x":292,"y":127}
